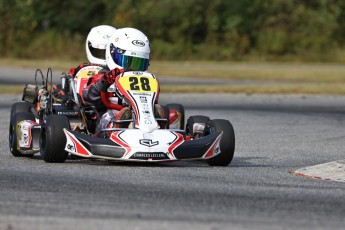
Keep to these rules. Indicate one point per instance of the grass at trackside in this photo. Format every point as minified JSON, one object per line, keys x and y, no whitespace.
{"x":277,"y":72}
{"x":39,"y":64}
{"x":270,"y":78}
{"x":322,"y":89}
{"x":9,"y":89}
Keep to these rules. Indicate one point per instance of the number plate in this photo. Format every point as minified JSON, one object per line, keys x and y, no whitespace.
{"x":139,"y":83}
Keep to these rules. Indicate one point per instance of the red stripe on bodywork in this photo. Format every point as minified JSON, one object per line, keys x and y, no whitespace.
{"x":178,"y":141}
{"x":115,"y":137}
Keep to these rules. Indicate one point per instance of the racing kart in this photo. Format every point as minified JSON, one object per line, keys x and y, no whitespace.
{"x":59,"y":128}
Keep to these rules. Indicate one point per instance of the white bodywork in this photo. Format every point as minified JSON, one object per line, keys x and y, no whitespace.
{"x":28,"y":135}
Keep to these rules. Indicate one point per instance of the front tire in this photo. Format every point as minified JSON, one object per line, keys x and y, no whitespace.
{"x":12,"y":132}
{"x":227,"y":143}
{"x":53,"y":139}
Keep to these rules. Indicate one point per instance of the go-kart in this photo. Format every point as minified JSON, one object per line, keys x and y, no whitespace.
{"x":57,"y":132}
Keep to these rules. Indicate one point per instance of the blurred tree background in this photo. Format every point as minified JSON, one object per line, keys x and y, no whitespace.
{"x":229,"y":30}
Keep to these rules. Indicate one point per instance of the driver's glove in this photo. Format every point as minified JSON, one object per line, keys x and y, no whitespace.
{"x":111,"y":75}
{"x":109,"y":78}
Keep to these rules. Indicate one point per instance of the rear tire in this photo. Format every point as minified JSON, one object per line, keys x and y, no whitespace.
{"x":22,"y":106}
{"x":227,"y":143}
{"x":12,"y":132}
{"x":53,"y":139}
{"x":195,"y":119}
{"x":180,"y":110}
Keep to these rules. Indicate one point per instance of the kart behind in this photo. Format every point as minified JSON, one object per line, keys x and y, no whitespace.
{"x":59,"y":130}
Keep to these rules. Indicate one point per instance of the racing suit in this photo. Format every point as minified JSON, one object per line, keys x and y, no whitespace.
{"x":91,"y":94}
{"x":90,"y":80}
{"x":98,"y":84}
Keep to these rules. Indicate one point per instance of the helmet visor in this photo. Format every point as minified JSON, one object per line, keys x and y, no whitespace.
{"x":130,"y":62}
{"x":97,"y":53}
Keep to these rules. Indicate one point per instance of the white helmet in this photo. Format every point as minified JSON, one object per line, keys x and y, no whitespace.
{"x":128,"y":48}
{"x":96,"y":43}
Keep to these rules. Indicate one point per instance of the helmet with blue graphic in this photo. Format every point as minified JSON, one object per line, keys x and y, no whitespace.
{"x":128,"y":48}
{"x":96,"y":43}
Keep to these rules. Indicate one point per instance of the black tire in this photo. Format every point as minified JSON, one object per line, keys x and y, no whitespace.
{"x":22,"y":106}
{"x":180,"y":110}
{"x":12,"y":132}
{"x":195,"y":119}
{"x":53,"y":139}
{"x":227,"y":143}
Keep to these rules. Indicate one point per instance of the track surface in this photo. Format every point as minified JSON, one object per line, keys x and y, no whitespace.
{"x":274,"y":134}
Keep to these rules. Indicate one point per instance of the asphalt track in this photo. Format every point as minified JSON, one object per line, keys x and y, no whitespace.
{"x":275,"y":135}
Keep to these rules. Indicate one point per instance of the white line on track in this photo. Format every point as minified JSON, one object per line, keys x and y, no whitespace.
{"x":333,"y":171}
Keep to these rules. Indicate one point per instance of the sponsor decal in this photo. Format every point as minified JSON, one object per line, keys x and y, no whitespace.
{"x":217,"y":150}
{"x":68,"y":113}
{"x":146,"y":114}
{"x":138,"y":43}
{"x":141,"y":94}
{"x":26,"y":139}
{"x":149,"y":156}
{"x":148,"y":142}
{"x":148,"y":121}
{"x":71,"y":147}
{"x":138,"y":54}
{"x":143,"y":99}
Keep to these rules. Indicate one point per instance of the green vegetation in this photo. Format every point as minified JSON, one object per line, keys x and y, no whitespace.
{"x":218,"y":30}
{"x":250,"y":41}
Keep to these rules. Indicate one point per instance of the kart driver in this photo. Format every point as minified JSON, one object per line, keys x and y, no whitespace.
{"x":122,"y":54}
{"x":95,"y":45}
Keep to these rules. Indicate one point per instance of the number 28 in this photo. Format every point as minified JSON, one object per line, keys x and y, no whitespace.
{"x":144,"y":83}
